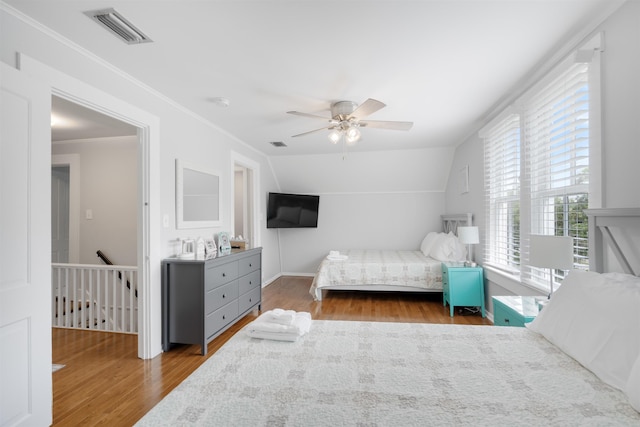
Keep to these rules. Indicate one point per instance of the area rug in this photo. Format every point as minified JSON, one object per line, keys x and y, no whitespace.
{"x":392,"y":374}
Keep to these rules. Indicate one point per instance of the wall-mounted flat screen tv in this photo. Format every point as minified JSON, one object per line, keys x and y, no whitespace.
{"x":292,"y":210}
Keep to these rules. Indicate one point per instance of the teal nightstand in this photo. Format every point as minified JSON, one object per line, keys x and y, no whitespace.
{"x":462,"y":286}
{"x":514,"y":310}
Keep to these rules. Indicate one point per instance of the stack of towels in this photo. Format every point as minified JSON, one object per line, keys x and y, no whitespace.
{"x":280,"y":325}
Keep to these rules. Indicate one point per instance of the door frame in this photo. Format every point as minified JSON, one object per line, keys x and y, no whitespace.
{"x":149,"y":247}
{"x":254,"y":200}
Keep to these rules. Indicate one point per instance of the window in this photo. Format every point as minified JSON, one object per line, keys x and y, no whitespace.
{"x":502,"y":185}
{"x":537,"y":178}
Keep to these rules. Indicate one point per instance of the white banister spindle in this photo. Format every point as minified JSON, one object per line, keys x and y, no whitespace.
{"x":65,"y":299}
{"x":92,"y":306}
{"x":73,"y":303}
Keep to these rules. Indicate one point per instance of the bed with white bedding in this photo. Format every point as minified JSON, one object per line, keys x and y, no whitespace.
{"x":388,"y":270}
{"x":393,"y":270}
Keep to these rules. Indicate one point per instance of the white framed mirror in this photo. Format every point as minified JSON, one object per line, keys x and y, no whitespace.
{"x":197,"y":196}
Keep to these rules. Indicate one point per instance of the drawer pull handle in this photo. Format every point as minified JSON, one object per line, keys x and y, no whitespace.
{"x":250,"y":265}
{"x":250,"y":300}
{"x":224,"y":274}
{"x":224,"y":296}
{"x":250,"y":282}
{"x":224,"y":317}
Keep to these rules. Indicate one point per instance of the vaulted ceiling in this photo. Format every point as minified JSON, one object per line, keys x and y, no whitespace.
{"x":442,"y":64}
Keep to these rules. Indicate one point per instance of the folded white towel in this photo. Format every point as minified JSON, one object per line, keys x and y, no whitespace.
{"x":273,"y":336}
{"x":280,"y":316}
{"x":263,"y":328}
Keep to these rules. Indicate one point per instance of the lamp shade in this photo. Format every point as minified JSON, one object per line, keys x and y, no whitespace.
{"x":551,"y":251}
{"x":468,"y":235}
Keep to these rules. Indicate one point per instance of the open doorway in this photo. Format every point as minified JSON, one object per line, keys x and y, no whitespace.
{"x":246,"y":184}
{"x":94,"y":219}
{"x":147,"y":125}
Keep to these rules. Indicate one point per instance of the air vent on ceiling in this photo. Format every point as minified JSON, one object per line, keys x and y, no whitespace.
{"x":117,"y":24}
{"x":278,"y":144}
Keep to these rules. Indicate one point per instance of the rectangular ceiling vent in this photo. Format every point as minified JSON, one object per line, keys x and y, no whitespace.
{"x":278,"y":144}
{"x":118,"y":25}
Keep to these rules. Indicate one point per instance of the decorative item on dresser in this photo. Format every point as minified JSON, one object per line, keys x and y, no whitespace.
{"x":202,"y":298}
{"x":462,"y":286}
{"x":515,"y":310}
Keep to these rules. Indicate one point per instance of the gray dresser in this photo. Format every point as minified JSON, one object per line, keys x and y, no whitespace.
{"x":203,"y":298}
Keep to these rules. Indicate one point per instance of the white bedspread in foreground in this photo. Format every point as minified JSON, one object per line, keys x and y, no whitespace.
{"x":393,"y":374}
{"x":376,"y":267}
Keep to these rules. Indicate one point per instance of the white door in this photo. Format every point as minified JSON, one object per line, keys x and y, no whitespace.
{"x":25,"y":251}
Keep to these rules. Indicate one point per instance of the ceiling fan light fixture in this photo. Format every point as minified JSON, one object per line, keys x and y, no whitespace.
{"x":353,"y":134}
{"x":334,"y":136}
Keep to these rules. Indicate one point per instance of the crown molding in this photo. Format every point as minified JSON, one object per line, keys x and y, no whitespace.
{"x":120,"y":73}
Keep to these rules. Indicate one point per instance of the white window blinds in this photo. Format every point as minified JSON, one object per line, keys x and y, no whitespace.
{"x":502,"y":185}
{"x":556,"y":132}
{"x":537,"y":169}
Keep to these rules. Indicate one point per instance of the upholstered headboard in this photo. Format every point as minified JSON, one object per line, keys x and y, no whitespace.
{"x":601,"y":236}
{"x":451,"y":222}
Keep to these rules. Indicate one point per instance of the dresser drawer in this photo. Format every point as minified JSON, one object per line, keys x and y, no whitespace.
{"x":248,"y":282}
{"x":502,"y":316}
{"x":249,"y":264}
{"x":248,"y":300}
{"x":216,"y":276}
{"x":222,"y":295}
{"x":220,"y":318}
{"x":514,"y":310}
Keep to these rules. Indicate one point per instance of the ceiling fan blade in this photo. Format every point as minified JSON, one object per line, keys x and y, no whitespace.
{"x":313,"y":116}
{"x":331,"y":126}
{"x":380,"y":124}
{"x":369,"y":106}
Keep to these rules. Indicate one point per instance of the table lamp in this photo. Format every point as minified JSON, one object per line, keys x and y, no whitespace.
{"x":469,"y":236}
{"x":552,"y":252}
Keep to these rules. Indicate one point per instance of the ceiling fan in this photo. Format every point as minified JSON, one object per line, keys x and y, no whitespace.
{"x":346,"y":119}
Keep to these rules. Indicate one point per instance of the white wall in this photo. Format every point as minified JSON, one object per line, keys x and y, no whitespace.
{"x":384,"y":199}
{"x":180,"y":134}
{"x":108,"y":187}
{"x":620,"y":133}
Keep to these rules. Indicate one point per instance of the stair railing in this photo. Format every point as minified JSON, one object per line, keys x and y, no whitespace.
{"x":92,"y":297}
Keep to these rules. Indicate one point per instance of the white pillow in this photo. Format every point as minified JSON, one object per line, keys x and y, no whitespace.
{"x":428,"y":241}
{"x":460,"y":252}
{"x":447,"y":247}
{"x":441,"y":250}
{"x":594,"y":318}
{"x":633,"y":386}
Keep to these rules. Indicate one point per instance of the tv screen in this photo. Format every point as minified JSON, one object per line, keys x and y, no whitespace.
{"x":292,"y":210}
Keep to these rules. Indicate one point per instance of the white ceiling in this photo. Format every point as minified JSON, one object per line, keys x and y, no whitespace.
{"x":442,"y":64}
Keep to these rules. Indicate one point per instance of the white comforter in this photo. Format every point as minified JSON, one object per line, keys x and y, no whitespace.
{"x":377,"y":267}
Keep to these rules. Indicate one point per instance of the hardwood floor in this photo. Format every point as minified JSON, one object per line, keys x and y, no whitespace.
{"x":104,"y":382}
